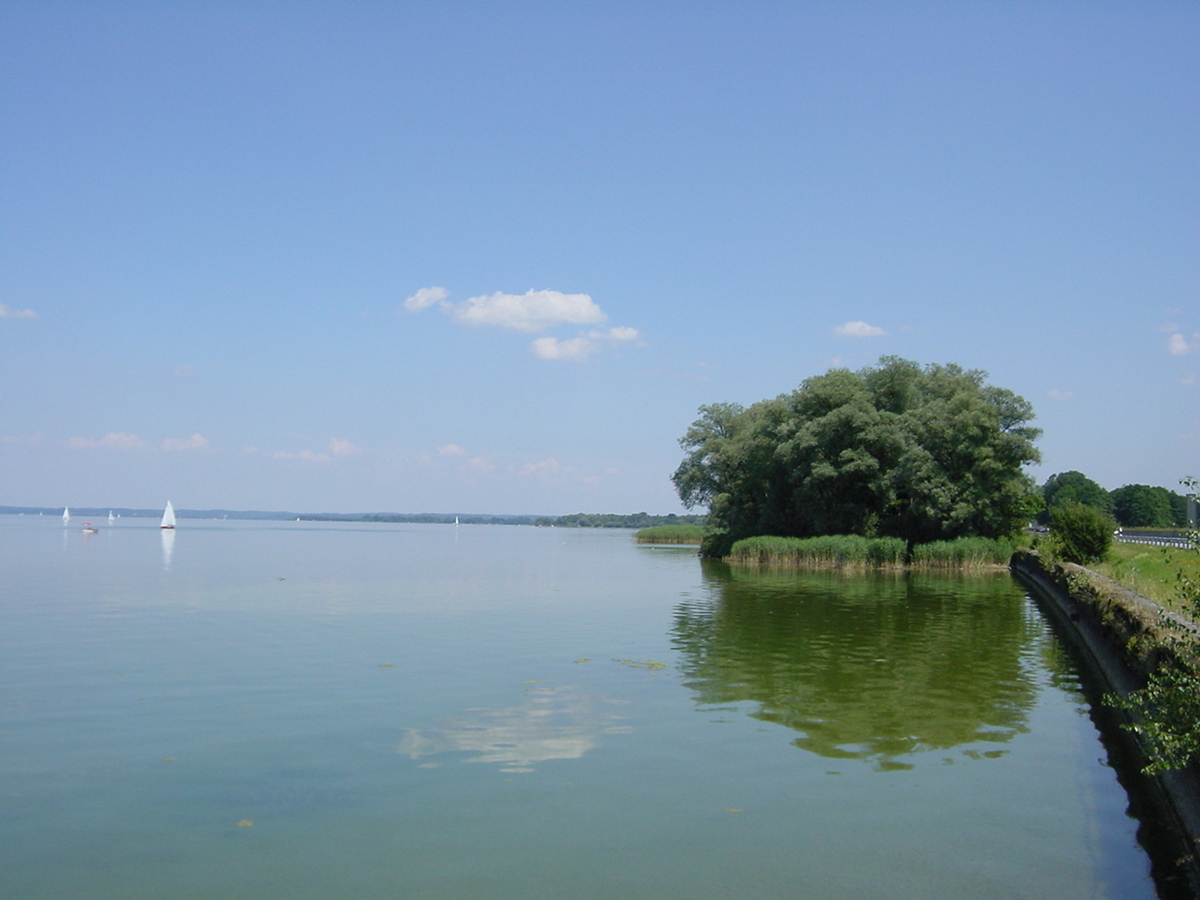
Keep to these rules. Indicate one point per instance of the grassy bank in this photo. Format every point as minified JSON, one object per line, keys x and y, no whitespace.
{"x":857,"y":552}
{"x":1151,"y":571}
{"x":671,"y":534}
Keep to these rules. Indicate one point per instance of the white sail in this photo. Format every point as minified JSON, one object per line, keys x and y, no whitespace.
{"x":111,"y":517}
{"x":66,"y":514}
{"x":168,"y":516}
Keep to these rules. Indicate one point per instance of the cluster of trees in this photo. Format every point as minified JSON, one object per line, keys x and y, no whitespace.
{"x":1131,"y":506}
{"x":898,"y":449}
{"x":616,"y":520}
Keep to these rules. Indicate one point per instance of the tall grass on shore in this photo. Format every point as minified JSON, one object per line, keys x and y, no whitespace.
{"x":829,"y":551}
{"x":671,"y":534}
{"x":962,"y":553}
{"x":850,"y":551}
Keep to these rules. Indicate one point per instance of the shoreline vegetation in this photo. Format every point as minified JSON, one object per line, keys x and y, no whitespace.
{"x":846,"y":551}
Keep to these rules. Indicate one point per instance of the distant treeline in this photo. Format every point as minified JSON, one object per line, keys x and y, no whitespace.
{"x":577,"y":520}
{"x":614,"y":520}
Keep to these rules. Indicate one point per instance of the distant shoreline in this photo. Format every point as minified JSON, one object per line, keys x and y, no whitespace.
{"x":576,"y":520}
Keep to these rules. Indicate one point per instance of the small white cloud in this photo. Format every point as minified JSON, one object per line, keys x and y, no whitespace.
{"x":425,"y":298}
{"x":546,"y":467}
{"x":114,"y":440}
{"x":7,"y":312}
{"x":581,"y":348}
{"x":859,"y":329}
{"x":195,"y":442}
{"x":531,"y":311}
{"x":1178,"y":345}
{"x":339,"y":447}
{"x":1060,"y":395}
{"x":451,"y":450}
{"x":574,"y":348}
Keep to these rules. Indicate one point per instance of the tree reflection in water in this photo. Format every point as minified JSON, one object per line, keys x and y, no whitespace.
{"x":879,"y":667}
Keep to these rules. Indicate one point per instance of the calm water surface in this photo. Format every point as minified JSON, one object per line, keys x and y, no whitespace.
{"x":294,"y":710}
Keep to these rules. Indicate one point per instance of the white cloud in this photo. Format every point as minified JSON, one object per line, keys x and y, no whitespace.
{"x":7,"y":312}
{"x":553,"y":348}
{"x":531,"y":311}
{"x":581,"y":348}
{"x":425,"y":298}
{"x":859,"y":329}
{"x":114,"y":440}
{"x":195,"y":442}
{"x":339,"y":447}
{"x":1060,"y":395}
{"x":1178,"y":345}
{"x":451,"y":450}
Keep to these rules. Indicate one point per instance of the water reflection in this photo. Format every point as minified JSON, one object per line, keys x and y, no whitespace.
{"x":550,"y":724}
{"x":168,"y":546}
{"x":877,"y":667}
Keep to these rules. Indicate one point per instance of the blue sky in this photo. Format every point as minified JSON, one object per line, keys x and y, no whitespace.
{"x":492,"y":257}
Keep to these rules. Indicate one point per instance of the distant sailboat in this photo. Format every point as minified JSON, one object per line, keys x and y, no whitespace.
{"x":66,"y":514}
{"x":111,"y":517}
{"x":168,"y":516}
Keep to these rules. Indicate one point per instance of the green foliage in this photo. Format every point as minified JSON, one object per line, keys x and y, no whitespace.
{"x":616,"y":520}
{"x":671,"y":534}
{"x":1078,"y":533}
{"x":1143,"y":506}
{"x":963,"y":553}
{"x":1167,"y":709}
{"x":833,"y":551}
{"x":1074,"y":487}
{"x":898,"y":450}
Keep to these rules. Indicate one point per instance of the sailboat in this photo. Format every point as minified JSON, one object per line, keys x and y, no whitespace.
{"x":111,"y":517}
{"x":66,"y":514}
{"x":168,"y":516}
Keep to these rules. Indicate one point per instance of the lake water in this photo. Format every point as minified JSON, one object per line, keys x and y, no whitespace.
{"x":309,"y":710}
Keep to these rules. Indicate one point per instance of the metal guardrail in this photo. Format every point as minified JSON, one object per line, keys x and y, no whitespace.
{"x":1153,"y":540}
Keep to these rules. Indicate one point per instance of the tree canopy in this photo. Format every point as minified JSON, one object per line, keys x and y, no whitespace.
{"x":919,"y":452}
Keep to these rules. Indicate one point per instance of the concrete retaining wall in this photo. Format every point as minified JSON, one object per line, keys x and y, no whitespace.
{"x":1118,"y":636}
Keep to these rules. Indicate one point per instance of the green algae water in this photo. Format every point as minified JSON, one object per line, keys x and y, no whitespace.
{"x":308,"y":710}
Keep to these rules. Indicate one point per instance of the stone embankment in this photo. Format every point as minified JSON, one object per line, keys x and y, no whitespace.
{"x":1120,"y":637}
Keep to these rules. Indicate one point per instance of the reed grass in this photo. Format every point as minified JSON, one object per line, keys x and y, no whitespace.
{"x":671,"y":534}
{"x":850,"y":551}
{"x":828,"y":551}
{"x":962,"y":553}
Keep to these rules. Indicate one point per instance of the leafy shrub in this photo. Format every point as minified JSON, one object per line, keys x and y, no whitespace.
{"x":1080,"y":534}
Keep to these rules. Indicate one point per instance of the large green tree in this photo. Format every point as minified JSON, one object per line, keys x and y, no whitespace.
{"x":1143,"y":506}
{"x":1075,"y":487}
{"x":919,"y":452}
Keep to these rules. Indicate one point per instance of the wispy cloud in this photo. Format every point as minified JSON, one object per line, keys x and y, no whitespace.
{"x":425,"y":298}
{"x":580,"y":348}
{"x":337,"y":448}
{"x":7,"y":312}
{"x":114,"y":440}
{"x":859,"y":329}
{"x":1178,"y":344}
{"x":195,"y":442}
{"x":531,"y":312}
{"x":1059,"y":396}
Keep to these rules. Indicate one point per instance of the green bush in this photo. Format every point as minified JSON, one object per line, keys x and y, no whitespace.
{"x":1080,"y":534}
